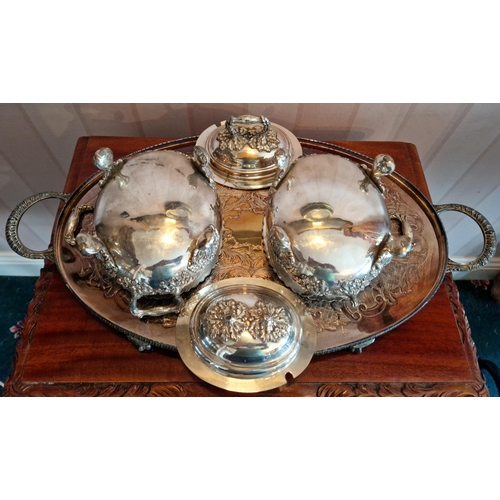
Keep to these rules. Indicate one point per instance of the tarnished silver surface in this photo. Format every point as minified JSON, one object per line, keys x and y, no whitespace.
{"x":157,"y":225}
{"x":327,"y":228}
{"x":242,"y":150}
{"x":245,"y":334}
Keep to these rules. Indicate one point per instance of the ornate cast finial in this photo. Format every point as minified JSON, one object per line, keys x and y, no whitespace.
{"x":104,"y":160}
{"x":382,"y":165}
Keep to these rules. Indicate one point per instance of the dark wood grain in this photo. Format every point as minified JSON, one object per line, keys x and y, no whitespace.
{"x":65,"y":351}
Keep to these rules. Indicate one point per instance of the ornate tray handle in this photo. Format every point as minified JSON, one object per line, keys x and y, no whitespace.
{"x":490,"y":242}
{"x":12,"y":226}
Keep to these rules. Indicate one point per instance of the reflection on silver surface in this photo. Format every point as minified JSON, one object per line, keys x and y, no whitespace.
{"x":245,"y":334}
{"x":242,"y":150}
{"x":327,"y":229}
{"x":402,"y":289}
{"x":157,"y":225}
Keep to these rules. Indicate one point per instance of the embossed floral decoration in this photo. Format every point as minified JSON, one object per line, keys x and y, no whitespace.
{"x":228,"y":319}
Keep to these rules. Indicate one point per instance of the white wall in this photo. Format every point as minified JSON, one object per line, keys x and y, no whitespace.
{"x":458,"y":144}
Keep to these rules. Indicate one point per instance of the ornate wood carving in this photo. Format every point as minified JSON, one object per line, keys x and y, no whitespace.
{"x":465,"y":333}
{"x":397,"y":390}
{"x":93,"y":390}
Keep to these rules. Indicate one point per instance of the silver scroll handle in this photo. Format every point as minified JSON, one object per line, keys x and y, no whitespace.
{"x":12,"y":226}
{"x":490,"y":241}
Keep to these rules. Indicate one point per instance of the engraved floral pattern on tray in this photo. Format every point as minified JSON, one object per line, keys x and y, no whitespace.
{"x":93,"y":275}
{"x":242,"y":257}
{"x":238,"y":258}
{"x":249,"y":260}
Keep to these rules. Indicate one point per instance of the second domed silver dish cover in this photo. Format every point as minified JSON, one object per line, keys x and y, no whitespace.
{"x":327,"y":232}
{"x":242,"y":150}
{"x":157,"y":225}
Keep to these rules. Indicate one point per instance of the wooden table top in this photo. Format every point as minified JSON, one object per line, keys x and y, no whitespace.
{"x":66,"y":351}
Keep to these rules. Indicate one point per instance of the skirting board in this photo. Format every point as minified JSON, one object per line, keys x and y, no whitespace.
{"x":489,"y":272}
{"x":12,"y":264}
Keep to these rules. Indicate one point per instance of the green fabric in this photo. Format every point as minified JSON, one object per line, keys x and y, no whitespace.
{"x":15,"y":295}
{"x":483,"y":313}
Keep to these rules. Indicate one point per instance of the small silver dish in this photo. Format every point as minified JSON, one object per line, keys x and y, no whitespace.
{"x":242,"y":151}
{"x":245,"y":335}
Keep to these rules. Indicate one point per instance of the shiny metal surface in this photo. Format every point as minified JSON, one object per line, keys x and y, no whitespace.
{"x":401,"y":290}
{"x":327,"y":229}
{"x":489,"y":236}
{"x":14,"y":219}
{"x":157,"y":225}
{"x":242,"y":150}
{"x":245,"y":335}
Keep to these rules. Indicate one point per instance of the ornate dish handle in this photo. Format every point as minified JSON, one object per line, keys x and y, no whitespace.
{"x":73,"y":221}
{"x":156,"y":311}
{"x":12,"y":226}
{"x":247,"y":120}
{"x":490,"y":242}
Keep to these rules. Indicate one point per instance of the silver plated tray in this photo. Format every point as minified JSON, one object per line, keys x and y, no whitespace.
{"x":401,"y":290}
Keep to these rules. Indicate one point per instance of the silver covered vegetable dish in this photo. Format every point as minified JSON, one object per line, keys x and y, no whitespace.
{"x":156,"y":229}
{"x":157,"y":225}
{"x":327,"y":231}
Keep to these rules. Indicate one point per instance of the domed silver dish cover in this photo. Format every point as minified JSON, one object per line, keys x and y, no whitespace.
{"x":242,"y":150}
{"x":327,"y":232}
{"x":245,"y":334}
{"x":157,"y":225}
